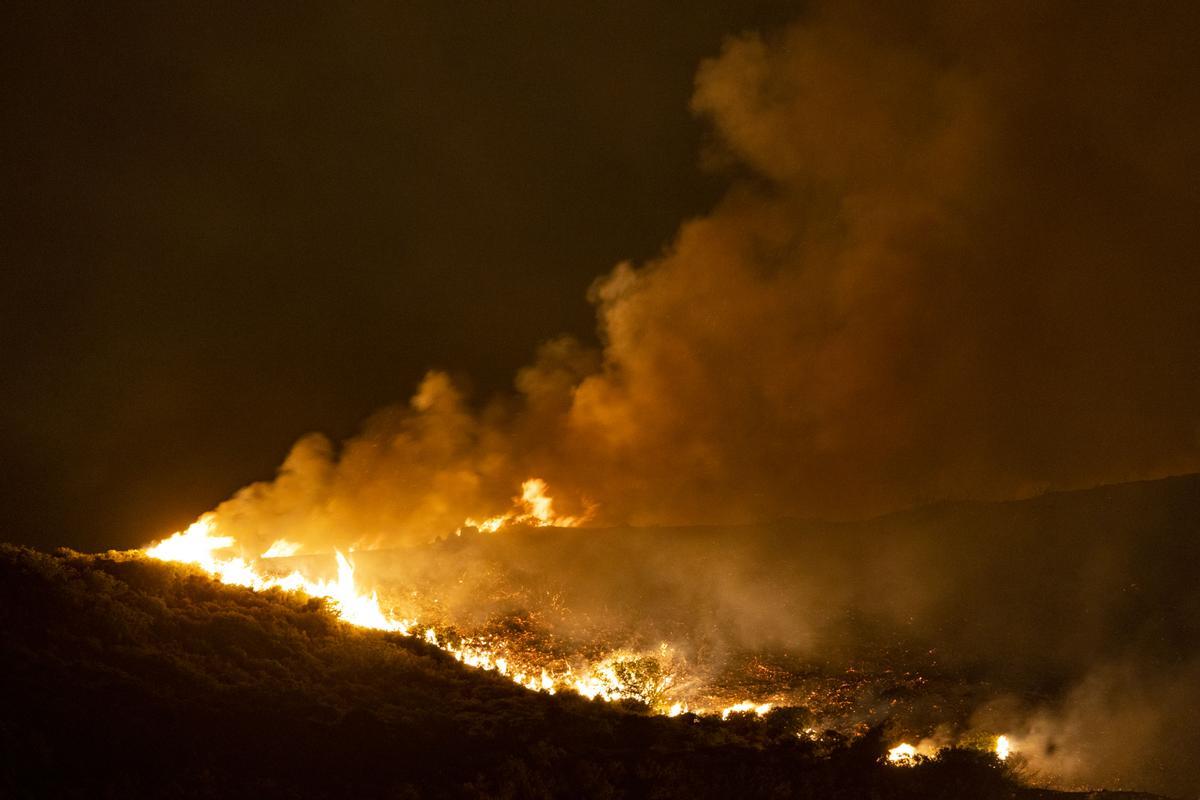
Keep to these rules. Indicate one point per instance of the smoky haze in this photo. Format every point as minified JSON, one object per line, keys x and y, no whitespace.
{"x":1070,"y":622}
{"x":956,"y":260}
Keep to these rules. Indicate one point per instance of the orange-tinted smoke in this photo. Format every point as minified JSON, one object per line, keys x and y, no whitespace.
{"x":957,"y":259}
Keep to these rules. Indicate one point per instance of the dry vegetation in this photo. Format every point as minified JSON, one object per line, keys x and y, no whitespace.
{"x":125,"y":678}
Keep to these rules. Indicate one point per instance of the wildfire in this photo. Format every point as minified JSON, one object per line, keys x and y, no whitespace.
{"x":1003,"y":748}
{"x":903,"y":754}
{"x":198,"y":545}
{"x":281,"y":548}
{"x":619,"y":676}
{"x":646,"y":677}
{"x":192,"y":546}
{"x":533,"y":507}
{"x":746,"y":707}
{"x":906,"y":755}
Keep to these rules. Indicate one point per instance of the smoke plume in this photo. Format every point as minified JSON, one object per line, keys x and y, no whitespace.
{"x":956,"y":260}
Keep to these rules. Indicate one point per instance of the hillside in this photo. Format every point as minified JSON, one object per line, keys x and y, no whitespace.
{"x":125,"y":678}
{"x":1069,"y":621}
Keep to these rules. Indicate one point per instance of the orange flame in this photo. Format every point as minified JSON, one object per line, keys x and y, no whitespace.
{"x":623,"y":675}
{"x":903,"y":754}
{"x":618,"y":676}
{"x":533,"y":507}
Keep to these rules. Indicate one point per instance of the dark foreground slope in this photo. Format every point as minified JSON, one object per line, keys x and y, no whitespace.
{"x":128,"y":678}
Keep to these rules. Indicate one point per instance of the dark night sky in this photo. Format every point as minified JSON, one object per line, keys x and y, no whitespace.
{"x":225,"y":226}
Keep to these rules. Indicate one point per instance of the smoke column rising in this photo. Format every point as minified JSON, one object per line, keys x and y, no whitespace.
{"x":956,"y":260}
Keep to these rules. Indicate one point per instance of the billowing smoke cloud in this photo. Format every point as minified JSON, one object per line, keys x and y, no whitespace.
{"x":957,"y":259}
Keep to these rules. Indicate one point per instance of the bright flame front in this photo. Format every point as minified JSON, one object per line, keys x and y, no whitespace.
{"x":618,"y":676}
{"x":903,"y":754}
{"x":198,"y":545}
{"x":648,"y":678}
{"x":1003,"y":748}
{"x":533,"y":507}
